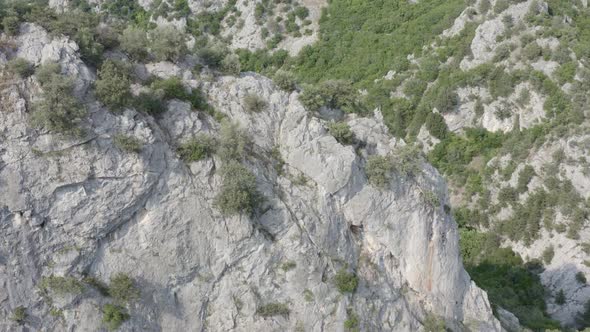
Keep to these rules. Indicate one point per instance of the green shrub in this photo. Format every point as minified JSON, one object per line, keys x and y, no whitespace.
{"x":583,"y":318}
{"x":484,"y":6}
{"x":581,"y":277}
{"x":134,"y":42}
{"x":446,"y":100}
{"x":524,"y":177}
{"x":346,"y":282}
{"x":407,"y":160}
{"x":508,"y":282}
{"x":335,"y":94}
{"x":501,"y":5}
{"x":58,"y":109}
{"x":46,"y":72}
{"x":415,"y":88}
{"x":11,"y":25}
{"x":57,"y":313}
{"x":378,"y":171}
{"x":211,"y":57}
{"x":352,"y":321}
{"x":560,"y":297}
{"x":172,"y":88}
{"x":566,"y":72}
{"x":150,"y":103}
{"x":433,"y":323}
{"x":341,"y":132}
{"x":507,"y":195}
{"x":128,"y":143}
{"x":21,"y":67}
{"x":167,"y":43}
{"x":429,"y":69}
{"x":288,"y":266}
{"x":532,"y":51}
{"x":61,"y":285}
{"x":234,"y":142}
{"x":285,"y":80}
{"x":502,"y":53}
{"x":238,"y":193}
{"x":436,"y":125}
{"x":301,"y":12}
{"x":231,"y":64}
{"x":200,"y":147}
{"x":254,"y":103}
{"x":113,"y":85}
{"x":273,"y":309}
{"x":19,"y":314}
{"x":548,"y":254}
{"x":123,"y":289}
{"x":113,"y":316}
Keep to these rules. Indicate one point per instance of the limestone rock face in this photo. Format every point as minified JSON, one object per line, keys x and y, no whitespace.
{"x":85,"y":207}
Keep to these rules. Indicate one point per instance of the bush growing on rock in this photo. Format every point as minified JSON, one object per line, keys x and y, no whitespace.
{"x":211,"y":57}
{"x":378,"y":171}
{"x":150,"y":103}
{"x":341,"y":132}
{"x":352,"y":321}
{"x":581,"y":277}
{"x":231,"y":64}
{"x":346,"y":282}
{"x":407,"y":160}
{"x":446,"y":100}
{"x":173,"y":88}
{"x":46,"y":72}
{"x":113,"y":85}
{"x":200,"y":147}
{"x":285,"y":80}
{"x":548,"y":254}
{"x":560,"y":297}
{"x":238,"y":193}
{"x":128,"y":143}
{"x":273,"y":309}
{"x":233,"y":142}
{"x":11,"y":25}
{"x":58,"y":109}
{"x":123,"y":289}
{"x":524,"y":177}
{"x":134,"y":42}
{"x":484,"y":6}
{"x":167,"y":43}
{"x":21,"y":67}
{"x":113,"y":316}
{"x":19,"y":314}
{"x":436,"y":125}
{"x":336,"y":94}
{"x":254,"y":103}
{"x":61,"y":285}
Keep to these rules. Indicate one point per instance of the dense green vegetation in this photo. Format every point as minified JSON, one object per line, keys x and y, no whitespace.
{"x":509,"y":282}
{"x":362,"y":40}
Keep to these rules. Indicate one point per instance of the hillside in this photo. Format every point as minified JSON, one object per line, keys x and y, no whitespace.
{"x":284,"y":165}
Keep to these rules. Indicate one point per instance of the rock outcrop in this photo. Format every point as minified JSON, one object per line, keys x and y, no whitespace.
{"x":84,"y":207}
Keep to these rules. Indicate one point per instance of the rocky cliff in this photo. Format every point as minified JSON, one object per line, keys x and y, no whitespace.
{"x":75,"y":212}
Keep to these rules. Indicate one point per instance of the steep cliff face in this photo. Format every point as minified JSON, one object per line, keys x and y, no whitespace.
{"x":85,"y":209}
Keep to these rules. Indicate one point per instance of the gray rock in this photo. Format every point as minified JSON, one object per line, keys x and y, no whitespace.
{"x":106,"y":211}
